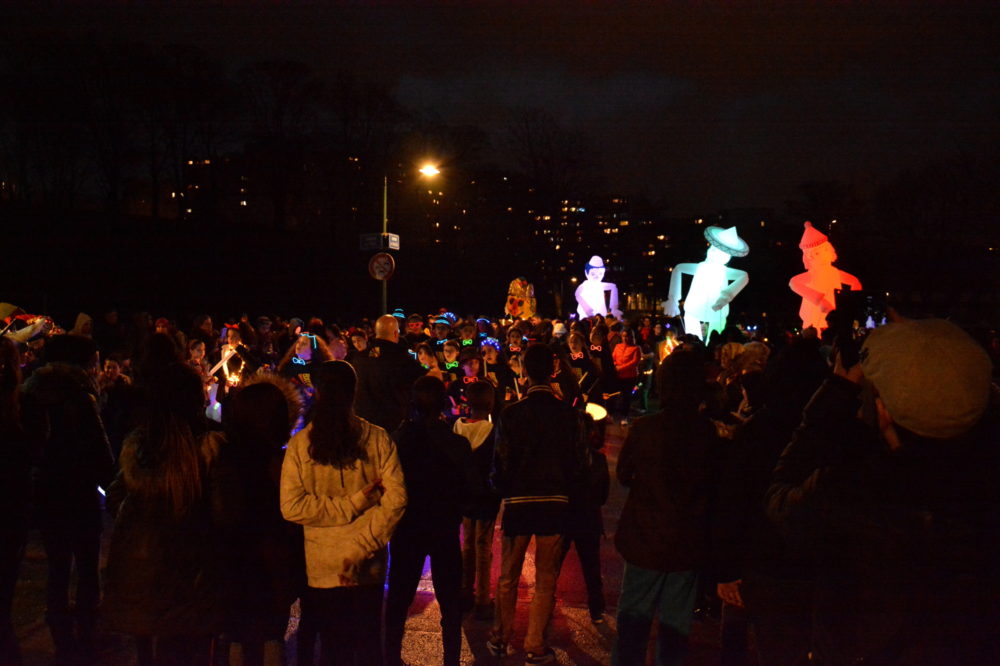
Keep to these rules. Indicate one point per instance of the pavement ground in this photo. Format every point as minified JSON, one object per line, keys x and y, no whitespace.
{"x":575,"y":639}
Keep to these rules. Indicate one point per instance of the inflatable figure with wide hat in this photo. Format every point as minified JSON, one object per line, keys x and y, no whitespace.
{"x":713,"y":286}
{"x":590,"y":294}
{"x":817,"y":286}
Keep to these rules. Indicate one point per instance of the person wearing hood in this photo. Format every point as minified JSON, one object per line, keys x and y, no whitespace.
{"x":84,"y":325}
{"x":72,"y":459}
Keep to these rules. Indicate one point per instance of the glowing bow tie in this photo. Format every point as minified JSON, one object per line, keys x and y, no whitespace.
{"x":596,"y":348}
{"x":576,"y":355}
{"x":450,"y":365}
{"x":466,"y":343}
{"x":515,"y":349}
{"x":470,"y":380}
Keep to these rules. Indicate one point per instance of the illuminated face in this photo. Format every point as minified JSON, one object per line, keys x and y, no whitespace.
{"x":450,"y":353}
{"x":490,"y":354}
{"x":441,"y":331}
{"x":576,"y":343}
{"x":427,"y":359}
{"x":596,"y":273}
{"x":821,"y":255}
{"x":162,"y":328}
{"x":471,"y":367}
{"x":514,"y":337}
{"x":468,"y":332}
{"x":198,"y":352}
{"x":112,"y":368}
{"x":597,"y":337}
{"x":360,"y":342}
{"x":232,"y":336}
{"x":413,"y":327}
{"x":206,"y":325}
{"x":303,"y":348}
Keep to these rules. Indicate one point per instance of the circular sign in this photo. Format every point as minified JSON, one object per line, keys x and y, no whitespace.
{"x":381,"y":266}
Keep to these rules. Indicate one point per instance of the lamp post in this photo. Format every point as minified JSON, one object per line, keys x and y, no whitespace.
{"x":428,"y":170}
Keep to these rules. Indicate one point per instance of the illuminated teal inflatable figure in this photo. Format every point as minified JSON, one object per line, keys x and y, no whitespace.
{"x":714,"y":284}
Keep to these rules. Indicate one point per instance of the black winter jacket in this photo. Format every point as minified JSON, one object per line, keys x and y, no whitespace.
{"x":670,"y":464}
{"x":72,"y":456}
{"x":905,"y":541}
{"x":386,"y":372}
{"x":540,"y":459}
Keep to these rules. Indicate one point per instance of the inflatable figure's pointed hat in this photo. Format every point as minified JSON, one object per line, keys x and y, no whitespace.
{"x":812,"y":237}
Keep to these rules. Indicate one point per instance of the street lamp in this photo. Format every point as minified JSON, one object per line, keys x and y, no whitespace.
{"x":428,"y":170}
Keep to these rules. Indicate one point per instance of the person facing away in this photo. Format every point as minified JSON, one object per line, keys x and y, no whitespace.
{"x":480,"y":512}
{"x":341,"y":479}
{"x":436,"y":464}
{"x":900,"y":507}
{"x":164,"y":574}
{"x":15,"y":491}
{"x":540,"y":456}
{"x":667,"y":462}
{"x":72,"y":458}
{"x":385,"y":374}
{"x":265,"y":565}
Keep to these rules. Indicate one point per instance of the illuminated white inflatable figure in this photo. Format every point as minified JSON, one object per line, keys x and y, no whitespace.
{"x":817,"y":285}
{"x":590,"y":294}
{"x":714,"y":285}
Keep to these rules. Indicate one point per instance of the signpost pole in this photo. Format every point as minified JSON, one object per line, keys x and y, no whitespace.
{"x":385,"y":230}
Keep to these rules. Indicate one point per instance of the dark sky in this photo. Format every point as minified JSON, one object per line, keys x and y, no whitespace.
{"x":706,"y":105}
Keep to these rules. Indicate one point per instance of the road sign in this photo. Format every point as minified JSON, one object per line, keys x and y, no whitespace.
{"x":381,"y":266}
{"x":379,"y":242}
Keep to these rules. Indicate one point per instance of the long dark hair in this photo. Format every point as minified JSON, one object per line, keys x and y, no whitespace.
{"x":167,"y":461}
{"x":335,"y":437}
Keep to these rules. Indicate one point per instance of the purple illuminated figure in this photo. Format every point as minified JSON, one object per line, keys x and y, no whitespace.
{"x":590,"y":293}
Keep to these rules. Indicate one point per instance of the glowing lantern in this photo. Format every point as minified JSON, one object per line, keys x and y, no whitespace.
{"x":590,"y":294}
{"x":714,"y":285}
{"x":520,"y":299}
{"x":817,"y":285}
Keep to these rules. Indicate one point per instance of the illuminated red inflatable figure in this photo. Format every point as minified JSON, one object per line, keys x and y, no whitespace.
{"x":818,"y":284}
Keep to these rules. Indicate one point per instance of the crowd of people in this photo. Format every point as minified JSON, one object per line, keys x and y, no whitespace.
{"x":842,"y":503}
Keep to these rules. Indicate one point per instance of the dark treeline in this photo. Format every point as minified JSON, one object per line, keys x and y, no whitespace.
{"x":162,"y":175}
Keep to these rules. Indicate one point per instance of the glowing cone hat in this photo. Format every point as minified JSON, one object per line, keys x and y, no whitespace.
{"x":812,"y":237}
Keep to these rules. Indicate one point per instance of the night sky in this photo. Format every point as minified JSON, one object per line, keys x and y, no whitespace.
{"x":703,"y":107}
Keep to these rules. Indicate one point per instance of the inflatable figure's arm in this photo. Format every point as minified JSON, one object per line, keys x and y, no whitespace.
{"x":613,"y":288}
{"x":671,"y":306}
{"x":740,"y":280}
{"x":587,"y":311}
{"x":848,"y":279}
{"x":800,"y":285}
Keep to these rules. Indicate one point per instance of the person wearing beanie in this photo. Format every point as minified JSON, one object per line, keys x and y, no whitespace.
{"x":892,"y":484}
